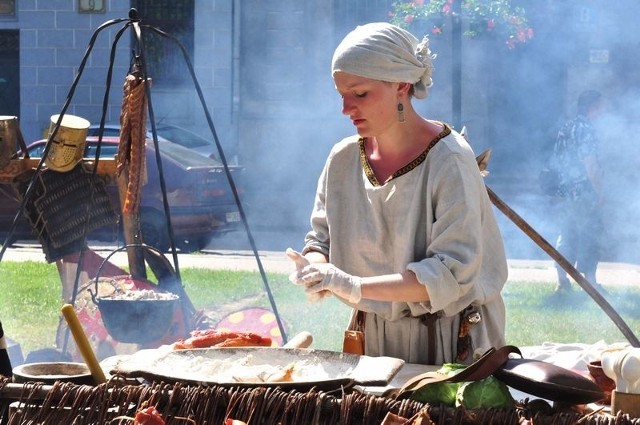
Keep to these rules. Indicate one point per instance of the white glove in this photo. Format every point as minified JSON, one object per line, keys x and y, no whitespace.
{"x":301,"y":262}
{"x":320,"y":277}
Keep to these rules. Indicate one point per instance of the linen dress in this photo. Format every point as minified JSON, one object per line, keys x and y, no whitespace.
{"x":434,"y":218}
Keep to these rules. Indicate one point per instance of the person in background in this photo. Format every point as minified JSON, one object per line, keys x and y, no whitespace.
{"x":581,"y":192}
{"x":402,"y":227}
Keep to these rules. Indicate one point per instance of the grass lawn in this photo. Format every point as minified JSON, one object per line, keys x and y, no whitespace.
{"x":30,"y":304}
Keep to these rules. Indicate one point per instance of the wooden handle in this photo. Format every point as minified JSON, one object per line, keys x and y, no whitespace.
{"x":83,"y":344}
{"x":301,"y":340}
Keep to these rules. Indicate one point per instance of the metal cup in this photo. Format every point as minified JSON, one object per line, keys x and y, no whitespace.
{"x":68,"y":143}
{"x":10,"y":136}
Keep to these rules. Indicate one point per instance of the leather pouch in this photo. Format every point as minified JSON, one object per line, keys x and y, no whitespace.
{"x":353,"y":341}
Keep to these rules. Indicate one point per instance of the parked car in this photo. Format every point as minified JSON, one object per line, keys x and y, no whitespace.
{"x":199,"y":195}
{"x":170,"y":133}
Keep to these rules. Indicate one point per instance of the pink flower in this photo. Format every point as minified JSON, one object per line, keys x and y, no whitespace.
{"x":501,"y":17}
{"x":515,"y":20}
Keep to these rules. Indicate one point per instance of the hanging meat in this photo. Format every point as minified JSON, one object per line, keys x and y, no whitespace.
{"x":131,"y":155}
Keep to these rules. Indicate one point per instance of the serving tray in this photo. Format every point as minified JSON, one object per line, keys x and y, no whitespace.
{"x":253,"y":366}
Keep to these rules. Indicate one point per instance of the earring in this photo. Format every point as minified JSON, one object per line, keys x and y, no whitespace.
{"x":400,"y":112}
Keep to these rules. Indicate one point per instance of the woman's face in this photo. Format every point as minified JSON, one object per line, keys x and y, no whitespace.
{"x":370,"y":104}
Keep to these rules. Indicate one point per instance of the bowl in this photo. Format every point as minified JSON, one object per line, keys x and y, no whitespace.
{"x":606,"y":384}
{"x":50,"y":372}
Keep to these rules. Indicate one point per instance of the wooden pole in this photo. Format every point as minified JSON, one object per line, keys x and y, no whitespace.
{"x":483,"y":163}
{"x":566,"y":265}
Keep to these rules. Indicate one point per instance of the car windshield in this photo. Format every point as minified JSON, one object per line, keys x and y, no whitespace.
{"x":185,"y":156}
{"x":106,"y":151}
{"x":37,"y":150}
{"x":94,"y":130}
{"x":171,"y":133}
{"x":186,"y":138}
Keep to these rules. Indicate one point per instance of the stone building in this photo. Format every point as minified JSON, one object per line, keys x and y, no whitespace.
{"x":263,"y":66}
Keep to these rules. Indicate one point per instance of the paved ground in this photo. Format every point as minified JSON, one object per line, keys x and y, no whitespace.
{"x":277,"y":262}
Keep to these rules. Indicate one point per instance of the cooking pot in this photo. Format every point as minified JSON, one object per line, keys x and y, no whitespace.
{"x":134,"y":310}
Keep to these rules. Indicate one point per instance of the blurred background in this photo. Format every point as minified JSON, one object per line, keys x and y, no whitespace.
{"x":264,"y":68}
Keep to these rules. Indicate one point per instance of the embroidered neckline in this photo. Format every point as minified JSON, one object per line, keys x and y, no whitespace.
{"x":403,"y":170}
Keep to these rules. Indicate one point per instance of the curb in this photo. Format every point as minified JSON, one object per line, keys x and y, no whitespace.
{"x":277,"y":262}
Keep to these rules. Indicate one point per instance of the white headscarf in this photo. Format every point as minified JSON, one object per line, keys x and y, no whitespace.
{"x":385,"y":52}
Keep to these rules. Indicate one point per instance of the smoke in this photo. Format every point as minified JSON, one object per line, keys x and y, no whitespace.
{"x":288,"y":115}
{"x":585,"y":46}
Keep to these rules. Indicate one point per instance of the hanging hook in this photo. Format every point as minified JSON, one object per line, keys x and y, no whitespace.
{"x":134,"y":15}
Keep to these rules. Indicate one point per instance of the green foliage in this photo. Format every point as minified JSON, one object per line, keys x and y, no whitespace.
{"x":30,"y":302}
{"x":498,"y":17}
{"x":484,"y":394}
{"x":440,"y":392}
{"x":220,"y":292}
{"x":537,"y":314}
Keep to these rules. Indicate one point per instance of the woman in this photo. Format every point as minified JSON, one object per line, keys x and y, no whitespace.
{"x":402,"y":227}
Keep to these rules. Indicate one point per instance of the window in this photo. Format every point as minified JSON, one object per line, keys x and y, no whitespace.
{"x":165,"y":62}
{"x":7,"y":8}
{"x":10,"y":72}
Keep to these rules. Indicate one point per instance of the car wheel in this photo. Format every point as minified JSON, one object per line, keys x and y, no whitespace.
{"x":194,"y":244}
{"x":12,"y":240}
{"x":154,"y":230}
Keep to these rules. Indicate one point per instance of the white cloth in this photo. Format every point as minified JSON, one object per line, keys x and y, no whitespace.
{"x":575,"y":356}
{"x":437,"y":221}
{"x":385,"y":52}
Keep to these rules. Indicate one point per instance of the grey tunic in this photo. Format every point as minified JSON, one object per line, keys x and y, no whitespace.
{"x":436,"y":220}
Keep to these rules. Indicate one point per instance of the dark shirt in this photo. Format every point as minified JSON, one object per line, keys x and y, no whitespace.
{"x":575,"y":142}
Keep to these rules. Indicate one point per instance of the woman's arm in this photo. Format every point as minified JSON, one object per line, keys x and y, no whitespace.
{"x":316,"y":257}
{"x":402,"y":287}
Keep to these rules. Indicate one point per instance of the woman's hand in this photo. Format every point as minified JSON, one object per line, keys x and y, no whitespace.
{"x":301,"y":262}
{"x":322,"y":277}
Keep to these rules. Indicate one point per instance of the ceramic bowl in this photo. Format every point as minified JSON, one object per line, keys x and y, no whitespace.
{"x":50,"y":372}
{"x":606,"y":384}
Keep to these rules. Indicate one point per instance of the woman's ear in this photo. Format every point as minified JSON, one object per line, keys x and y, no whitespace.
{"x":404,"y":89}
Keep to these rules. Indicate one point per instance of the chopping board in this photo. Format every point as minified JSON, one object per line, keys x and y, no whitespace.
{"x":253,"y":366}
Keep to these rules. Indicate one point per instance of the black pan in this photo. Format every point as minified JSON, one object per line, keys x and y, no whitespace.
{"x":548,"y":381}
